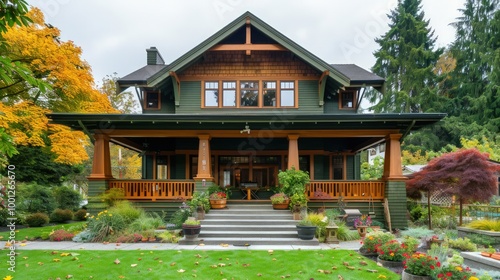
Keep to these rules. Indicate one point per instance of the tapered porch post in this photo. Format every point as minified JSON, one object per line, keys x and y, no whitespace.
{"x":101,"y":164}
{"x":101,"y":173}
{"x":395,"y":188}
{"x":293,"y":151}
{"x":392,"y":162}
{"x":204,"y":176}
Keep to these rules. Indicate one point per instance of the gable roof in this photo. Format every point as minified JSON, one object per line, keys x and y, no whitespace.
{"x":341,"y":74}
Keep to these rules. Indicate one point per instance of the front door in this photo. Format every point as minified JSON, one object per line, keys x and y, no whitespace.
{"x":261,"y":170}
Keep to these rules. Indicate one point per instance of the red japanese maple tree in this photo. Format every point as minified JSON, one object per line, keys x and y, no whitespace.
{"x":466,"y":174}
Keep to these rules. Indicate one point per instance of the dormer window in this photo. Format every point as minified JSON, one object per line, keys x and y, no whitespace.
{"x":152,"y":99}
{"x":347,"y":99}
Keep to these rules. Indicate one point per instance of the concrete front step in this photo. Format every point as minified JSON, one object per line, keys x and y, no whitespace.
{"x":248,"y":222}
{"x":248,"y":234}
{"x":251,"y":227}
{"x":250,"y":241}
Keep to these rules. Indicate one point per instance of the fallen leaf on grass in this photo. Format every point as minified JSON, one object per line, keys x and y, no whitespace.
{"x":40,"y":263}
{"x":372,"y":270}
{"x":172,"y":264}
{"x":363,"y":263}
{"x":22,"y":244}
{"x":340,"y":277}
{"x":56,"y":260}
{"x":133,"y":265}
{"x":382,"y":276}
{"x":181,"y":270}
{"x":65,"y":254}
{"x":117,"y":261}
{"x":25,"y":257}
{"x":245,"y":265}
{"x":69,"y":276}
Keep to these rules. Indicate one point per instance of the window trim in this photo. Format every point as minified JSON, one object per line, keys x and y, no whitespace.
{"x":354,"y":99}
{"x":259,"y":83}
{"x":145,"y":99}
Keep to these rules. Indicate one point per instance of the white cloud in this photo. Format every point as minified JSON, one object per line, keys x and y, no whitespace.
{"x":114,"y":34}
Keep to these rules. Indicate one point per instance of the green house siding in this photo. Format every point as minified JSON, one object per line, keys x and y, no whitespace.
{"x":147,"y":167}
{"x":178,"y":167}
{"x":308,"y":97}
{"x":321,"y":167}
{"x":350,"y":170}
{"x":190,"y":97}
{"x":395,"y":192}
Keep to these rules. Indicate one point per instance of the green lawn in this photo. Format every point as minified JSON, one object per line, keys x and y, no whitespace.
{"x":189,"y":264}
{"x":37,"y":232}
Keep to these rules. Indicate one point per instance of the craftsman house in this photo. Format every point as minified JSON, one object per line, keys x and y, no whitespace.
{"x":242,"y":105}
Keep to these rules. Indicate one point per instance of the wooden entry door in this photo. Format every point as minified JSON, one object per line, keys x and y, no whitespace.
{"x":265,"y":175}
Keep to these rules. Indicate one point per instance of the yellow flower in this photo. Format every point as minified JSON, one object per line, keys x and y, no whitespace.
{"x":110,"y":215}
{"x":473,"y":278}
{"x":97,"y":218}
{"x":392,"y":254}
{"x":459,"y":268}
{"x":105,"y":211}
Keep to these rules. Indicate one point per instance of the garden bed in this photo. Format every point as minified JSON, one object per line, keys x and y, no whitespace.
{"x":467,"y":232}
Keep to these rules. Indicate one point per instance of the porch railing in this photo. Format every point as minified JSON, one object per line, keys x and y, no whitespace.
{"x":349,"y":190}
{"x":154,"y":189}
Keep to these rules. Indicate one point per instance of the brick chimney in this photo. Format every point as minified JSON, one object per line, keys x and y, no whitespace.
{"x":154,"y":57}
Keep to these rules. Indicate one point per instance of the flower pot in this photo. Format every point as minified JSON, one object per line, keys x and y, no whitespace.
{"x":408,"y":276}
{"x":496,"y":256}
{"x":281,"y":206}
{"x":296,"y":216}
{"x":390,"y":264}
{"x":362,"y":230}
{"x":218,"y":203}
{"x":306,"y":232}
{"x":191,"y":231}
{"x":485,"y":254}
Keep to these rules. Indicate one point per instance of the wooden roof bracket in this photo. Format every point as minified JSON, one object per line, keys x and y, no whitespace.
{"x":322,"y":87}
{"x":360,"y":97}
{"x":248,"y":41}
{"x":177,"y":90}
{"x":86,"y":131}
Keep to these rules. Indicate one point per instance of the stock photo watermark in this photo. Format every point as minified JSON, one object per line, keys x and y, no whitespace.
{"x":8,"y":193}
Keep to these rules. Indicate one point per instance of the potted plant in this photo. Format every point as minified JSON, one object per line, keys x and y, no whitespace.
{"x":280,"y":201}
{"x":390,"y":254}
{"x":200,"y":204}
{"x":362,"y":223}
{"x":298,"y":202}
{"x":306,"y":229}
{"x":373,"y":240}
{"x":487,"y":252}
{"x":419,"y":266}
{"x":191,"y":228}
{"x":218,"y":196}
{"x":293,"y":181}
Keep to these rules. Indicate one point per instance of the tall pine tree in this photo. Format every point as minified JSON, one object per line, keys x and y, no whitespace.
{"x":475,"y":99}
{"x":406,"y":59}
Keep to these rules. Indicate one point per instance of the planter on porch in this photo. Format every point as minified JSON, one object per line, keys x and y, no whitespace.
{"x":306,"y":232}
{"x":218,"y":203}
{"x":280,"y":201}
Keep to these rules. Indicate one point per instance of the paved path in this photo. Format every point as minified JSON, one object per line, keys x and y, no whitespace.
{"x":68,"y":245}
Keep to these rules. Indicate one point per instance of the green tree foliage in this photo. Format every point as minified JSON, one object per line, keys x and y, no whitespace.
{"x":474,"y":97}
{"x":123,"y":101}
{"x":67,"y":198}
{"x":406,"y":59}
{"x":36,"y":198}
{"x":372,"y":171}
{"x":36,"y":164}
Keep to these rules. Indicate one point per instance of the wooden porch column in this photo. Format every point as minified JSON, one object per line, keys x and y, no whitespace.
{"x":204,"y":159}
{"x":392,"y":163}
{"x":101,"y":165}
{"x":293,"y":151}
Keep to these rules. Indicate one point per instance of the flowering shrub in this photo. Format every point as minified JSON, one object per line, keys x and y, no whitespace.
{"x":454,"y":272}
{"x":278,"y":198}
{"x":392,"y":250}
{"x":420,"y":264}
{"x":374,"y":239}
{"x":218,"y":195}
{"x":364,"y":220}
{"x":61,"y":235}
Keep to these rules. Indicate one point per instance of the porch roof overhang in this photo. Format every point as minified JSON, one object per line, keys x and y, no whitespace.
{"x":92,"y":122}
{"x":361,"y":131}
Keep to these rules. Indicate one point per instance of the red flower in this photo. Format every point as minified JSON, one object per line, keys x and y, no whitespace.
{"x":432,"y":267}
{"x":449,"y":274}
{"x":440,"y":275}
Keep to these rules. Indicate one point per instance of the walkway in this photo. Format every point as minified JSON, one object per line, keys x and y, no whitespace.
{"x":68,"y":245}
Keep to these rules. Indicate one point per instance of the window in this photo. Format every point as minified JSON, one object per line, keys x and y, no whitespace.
{"x":152,"y":99}
{"x":211,"y":94}
{"x":347,"y":99}
{"x":269,"y":92}
{"x":161,"y":167}
{"x":287,"y":90}
{"x":249,"y":94}
{"x":228,"y":94}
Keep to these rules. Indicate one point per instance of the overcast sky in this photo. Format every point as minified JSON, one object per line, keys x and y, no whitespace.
{"x":114,"y":34}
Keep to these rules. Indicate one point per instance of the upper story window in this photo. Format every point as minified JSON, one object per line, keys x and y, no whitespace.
{"x":287,"y":94}
{"x":347,"y":99}
{"x":152,"y":99}
{"x":212,"y":94}
{"x":250,"y":94}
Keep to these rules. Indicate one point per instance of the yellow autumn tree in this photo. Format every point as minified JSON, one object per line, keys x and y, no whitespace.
{"x":38,"y":47}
